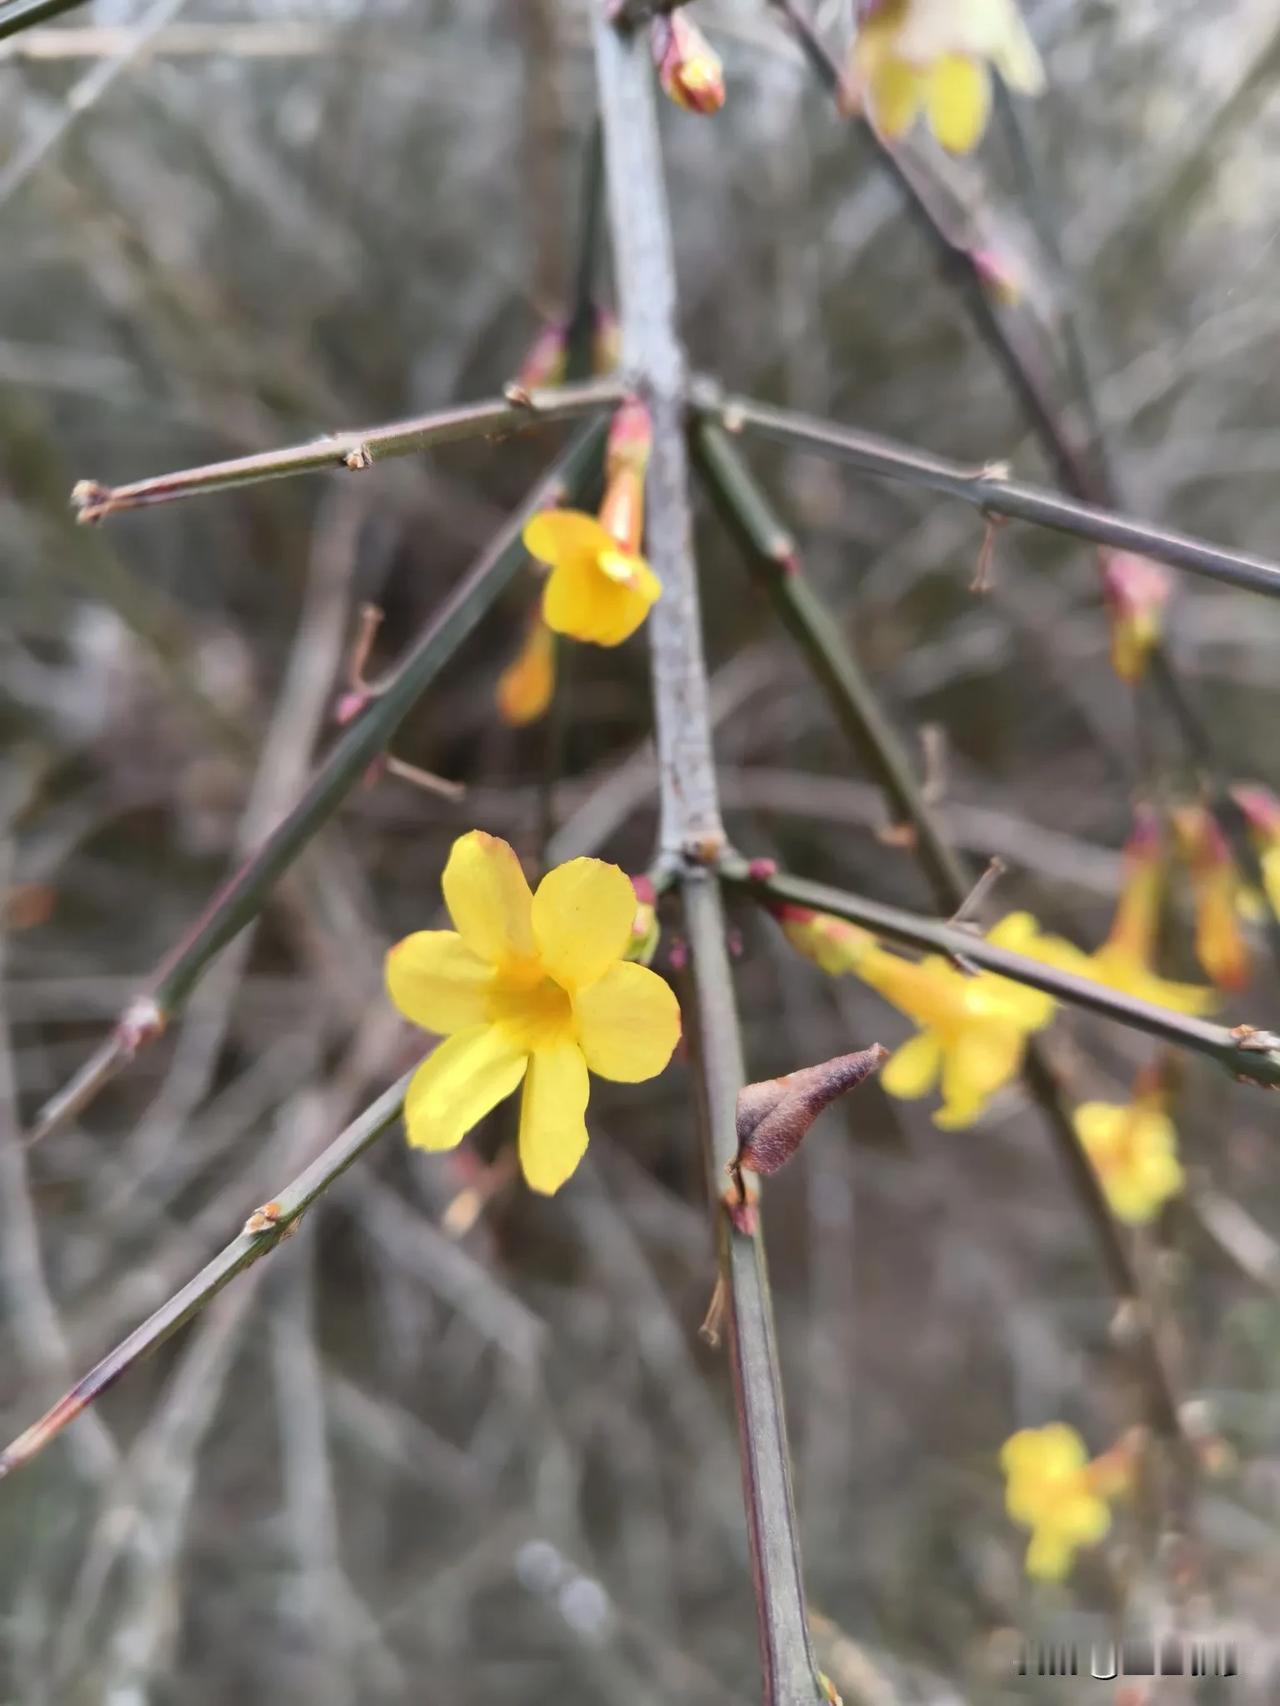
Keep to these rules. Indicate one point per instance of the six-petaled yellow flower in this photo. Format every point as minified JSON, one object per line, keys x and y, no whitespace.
{"x":933,"y":57}
{"x":532,"y":989}
{"x":972,"y":1029}
{"x":1052,"y":1489}
{"x":1134,"y":1151}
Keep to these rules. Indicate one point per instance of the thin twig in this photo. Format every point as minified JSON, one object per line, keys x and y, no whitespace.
{"x":263,"y":1231}
{"x":776,"y":562}
{"x":23,"y":14}
{"x":242,"y":898}
{"x":357,"y":449}
{"x":690,"y":824}
{"x":989,"y":488}
{"x":1247,"y":1053}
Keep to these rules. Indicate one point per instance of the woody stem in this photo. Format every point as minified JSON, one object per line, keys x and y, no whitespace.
{"x":690,"y":831}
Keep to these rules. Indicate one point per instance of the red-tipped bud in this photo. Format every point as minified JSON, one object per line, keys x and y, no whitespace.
{"x":545,"y":359}
{"x":689,"y":68}
{"x":644,"y":926}
{"x":1261,"y":809}
{"x":999,"y":275}
{"x":349,"y":706}
{"x":760,"y":870}
{"x":773,"y":1116}
{"x":1135,"y":591}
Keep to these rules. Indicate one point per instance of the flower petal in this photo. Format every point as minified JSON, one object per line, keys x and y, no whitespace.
{"x":435,"y":980}
{"x":585,"y":603}
{"x":561,"y":537}
{"x":582,"y":915}
{"x":897,"y":92}
{"x":488,"y":898}
{"x":959,"y":102}
{"x":457,"y":1085}
{"x":910,"y":1070}
{"x":628,"y":1023}
{"x":1048,"y":1556}
{"x":553,"y":1131}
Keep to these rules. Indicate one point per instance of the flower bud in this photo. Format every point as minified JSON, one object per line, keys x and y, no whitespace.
{"x":1135,"y":591}
{"x":644,"y":927}
{"x":630,"y":440}
{"x":833,"y":945}
{"x":545,"y":360}
{"x":526,"y":685}
{"x":999,"y":275}
{"x":689,"y":69}
{"x":1220,"y":944}
{"x":773,"y":1116}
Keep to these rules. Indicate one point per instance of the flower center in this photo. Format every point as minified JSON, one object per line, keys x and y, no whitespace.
{"x":530,"y":1007}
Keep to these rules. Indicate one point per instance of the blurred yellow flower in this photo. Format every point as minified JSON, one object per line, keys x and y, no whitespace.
{"x":689,"y":68}
{"x":600,"y":588}
{"x":1220,"y":943}
{"x":1135,"y":591}
{"x":533,"y":989}
{"x":527,"y":683}
{"x":1261,"y":810}
{"x":1052,"y":1489}
{"x":1134,"y":1151}
{"x":597,"y":591}
{"x":973,"y":1029}
{"x":933,"y":56}
{"x":1123,"y":961}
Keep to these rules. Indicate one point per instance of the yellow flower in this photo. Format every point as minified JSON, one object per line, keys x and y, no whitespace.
{"x":533,"y":989}
{"x":1261,"y":811}
{"x":527,"y":683}
{"x":600,"y":588}
{"x":1220,"y":944}
{"x":1134,"y":1150}
{"x":973,"y":1029}
{"x":1052,"y":1489}
{"x":931,"y":56}
{"x":1123,"y":961}
{"x":598,"y":591}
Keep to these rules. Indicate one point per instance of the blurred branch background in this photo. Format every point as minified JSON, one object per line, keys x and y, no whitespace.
{"x":414,"y":1458}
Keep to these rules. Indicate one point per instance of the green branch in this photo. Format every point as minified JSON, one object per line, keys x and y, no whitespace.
{"x":773,"y":559}
{"x":1245,"y":1052}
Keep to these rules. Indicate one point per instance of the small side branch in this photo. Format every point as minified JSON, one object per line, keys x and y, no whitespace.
{"x":1247,"y":1053}
{"x":989,"y":488}
{"x":354,"y":451}
{"x":24,"y":14}
{"x":243,"y":897}
{"x":262,"y":1232}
